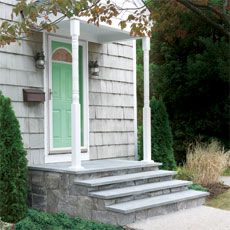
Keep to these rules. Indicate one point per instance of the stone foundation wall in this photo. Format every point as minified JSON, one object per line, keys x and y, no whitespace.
{"x":57,"y":192}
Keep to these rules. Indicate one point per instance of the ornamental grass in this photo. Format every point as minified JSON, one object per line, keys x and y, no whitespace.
{"x":206,"y":162}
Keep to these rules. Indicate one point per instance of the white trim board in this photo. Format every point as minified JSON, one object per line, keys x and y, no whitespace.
{"x":58,"y":157}
{"x":135,"y":100}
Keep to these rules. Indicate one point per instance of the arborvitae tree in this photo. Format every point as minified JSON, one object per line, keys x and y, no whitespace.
{"x":13,"y":166}
{"x":161,"y":136}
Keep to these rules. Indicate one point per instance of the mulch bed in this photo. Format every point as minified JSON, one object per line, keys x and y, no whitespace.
{"x":216,"y":189}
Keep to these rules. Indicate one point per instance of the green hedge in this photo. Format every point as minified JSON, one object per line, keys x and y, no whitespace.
{"x":13,"y":166}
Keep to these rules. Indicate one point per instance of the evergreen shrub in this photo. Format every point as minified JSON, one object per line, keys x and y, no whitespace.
{"x":161,"y":136}
{"x":13,"y":166}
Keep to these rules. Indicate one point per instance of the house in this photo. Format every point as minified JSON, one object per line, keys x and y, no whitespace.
{"x":78,"y":123}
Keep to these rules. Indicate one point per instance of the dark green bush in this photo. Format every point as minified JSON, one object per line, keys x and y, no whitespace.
{"x":161,"y":136}
{"x":197,"y":187}
{"x":195,"y":91}
{"x":13,"y":166}
{"x":190,"y":73}
{"x":37,"y":220}
{"x":140,"y":142}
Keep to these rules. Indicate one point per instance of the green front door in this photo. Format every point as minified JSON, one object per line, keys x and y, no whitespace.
{"x":62,"y":94}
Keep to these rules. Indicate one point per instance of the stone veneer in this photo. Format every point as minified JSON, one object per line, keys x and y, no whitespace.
{"x":56,"y":192}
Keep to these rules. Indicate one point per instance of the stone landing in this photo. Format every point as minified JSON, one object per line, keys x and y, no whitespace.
{"x":110,"y":191}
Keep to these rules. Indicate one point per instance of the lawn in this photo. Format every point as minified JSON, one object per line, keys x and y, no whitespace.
{"x":37,"y":220}
{"x":222,"y":201}
{"x":227,"y":172}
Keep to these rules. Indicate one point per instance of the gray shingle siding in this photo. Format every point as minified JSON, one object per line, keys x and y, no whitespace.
{"x":111,"y":101}
{"x":111,"y":95}
{"x":17,"y":72}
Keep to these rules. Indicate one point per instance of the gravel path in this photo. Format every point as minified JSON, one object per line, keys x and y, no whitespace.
{"x":200,"y":218}
{"x":225,"y":179}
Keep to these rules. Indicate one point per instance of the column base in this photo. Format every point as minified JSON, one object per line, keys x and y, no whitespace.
{"x":76,"y":163}
{"x":147,"y":134}
{"x":78,"y":168}
{"x":147,"y":161}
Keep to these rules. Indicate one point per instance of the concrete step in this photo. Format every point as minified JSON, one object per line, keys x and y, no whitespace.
{"x":111,"y":180}
{"x":148,"y":188}
{"x":157,"y":201}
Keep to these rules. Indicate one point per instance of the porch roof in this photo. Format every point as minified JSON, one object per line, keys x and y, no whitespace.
{"x":98,"y":34}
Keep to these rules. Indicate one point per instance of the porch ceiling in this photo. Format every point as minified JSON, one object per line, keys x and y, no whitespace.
{"x":99,"y":34}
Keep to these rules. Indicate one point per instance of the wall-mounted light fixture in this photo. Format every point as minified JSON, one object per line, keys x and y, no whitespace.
{"x":40,"y":60}
{"x":93,"y":68}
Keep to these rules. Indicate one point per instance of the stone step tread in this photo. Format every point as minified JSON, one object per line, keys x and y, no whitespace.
{"x":139,"y":189}
{"x":125,"y":178}
{"x":157,"y":201}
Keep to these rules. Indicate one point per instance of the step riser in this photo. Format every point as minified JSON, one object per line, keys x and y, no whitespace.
{"x":121,"y":219}
{"x":84,"y":190}
{"x":86,"y":176}
{"x":132,"y":183}
{"x":106,"y":202}
{"x":173,"y":207}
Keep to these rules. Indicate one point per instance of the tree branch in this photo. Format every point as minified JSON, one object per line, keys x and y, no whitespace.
{"x":224,"y":17}
{"x":220,"y":28}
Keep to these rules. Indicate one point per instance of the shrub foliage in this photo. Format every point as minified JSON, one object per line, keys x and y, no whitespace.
{"x":197,"y":187}
{"x":13,"y":165}
{"x":161,"y":136}
{"x":195,"y":90}
{"x":36,"y":220}
{"x":189,"y":71}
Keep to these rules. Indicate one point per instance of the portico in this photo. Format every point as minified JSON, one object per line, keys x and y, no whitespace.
{"x":77,"y":30}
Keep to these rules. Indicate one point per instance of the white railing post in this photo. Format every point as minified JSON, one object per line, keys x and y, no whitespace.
{"x":146,"y":109}
{"x":75,"y":107}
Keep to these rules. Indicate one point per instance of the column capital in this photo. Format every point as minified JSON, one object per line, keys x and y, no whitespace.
{"x":74,"y":27}
{"x":146,"y":43}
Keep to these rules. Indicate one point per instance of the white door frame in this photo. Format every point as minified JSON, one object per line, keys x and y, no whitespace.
{"x":63,"y":154}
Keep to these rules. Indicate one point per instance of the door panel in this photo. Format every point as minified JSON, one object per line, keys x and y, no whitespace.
{"x":62,"y":96}
{"x":62,"y":92}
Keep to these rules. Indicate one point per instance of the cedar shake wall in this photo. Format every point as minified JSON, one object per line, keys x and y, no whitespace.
{"x":18,"y":72}
{"x":111,"y":96}
{"x":111,"y":101}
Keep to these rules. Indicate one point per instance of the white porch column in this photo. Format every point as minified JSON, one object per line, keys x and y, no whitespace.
{"x":146,"y":109}
{"x":75,"y":107}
